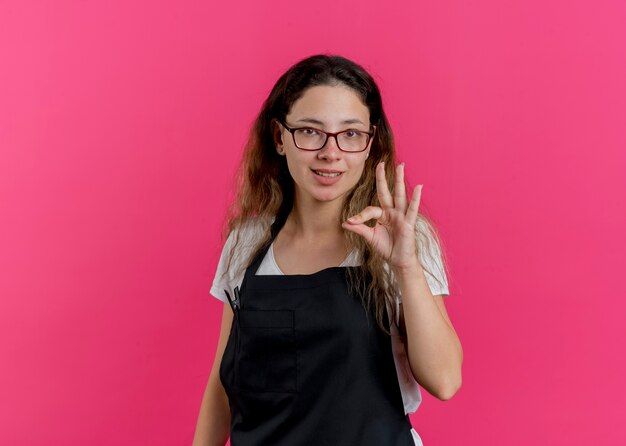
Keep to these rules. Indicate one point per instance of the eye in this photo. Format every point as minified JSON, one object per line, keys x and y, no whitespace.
{"x":309,"y":132}
{"x":352,"y":133}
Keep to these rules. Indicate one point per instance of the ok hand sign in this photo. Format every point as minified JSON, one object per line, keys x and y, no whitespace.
{"x":393,"y":236}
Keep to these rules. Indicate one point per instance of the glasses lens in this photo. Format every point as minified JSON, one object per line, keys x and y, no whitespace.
{"x":352,"y":140}
{"x":310,"y":139}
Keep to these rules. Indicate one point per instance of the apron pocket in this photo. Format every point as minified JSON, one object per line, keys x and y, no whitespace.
{"x":267,"y":351}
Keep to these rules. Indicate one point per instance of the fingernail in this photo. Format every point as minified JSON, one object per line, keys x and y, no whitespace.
{"x":352,"y":219}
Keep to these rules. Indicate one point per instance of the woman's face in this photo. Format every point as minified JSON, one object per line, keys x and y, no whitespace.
{"x":332,"y":109}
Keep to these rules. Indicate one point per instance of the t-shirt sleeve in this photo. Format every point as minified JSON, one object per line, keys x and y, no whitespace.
{"x":430,"y":254}
{"x":227,"y":277}
{"x":221,"y":280}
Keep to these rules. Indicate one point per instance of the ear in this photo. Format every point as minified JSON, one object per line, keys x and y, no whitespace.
{"x":277,"y":136}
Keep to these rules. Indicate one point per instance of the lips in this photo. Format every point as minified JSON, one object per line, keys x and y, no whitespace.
{"x":326,"y":177}
{"x":327,"y":173}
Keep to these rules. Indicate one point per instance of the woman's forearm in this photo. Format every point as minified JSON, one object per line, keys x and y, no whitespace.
{"x":212,"y":428}
{"x":433,"y":347}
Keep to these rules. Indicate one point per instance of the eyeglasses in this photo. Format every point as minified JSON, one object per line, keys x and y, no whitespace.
{"x":309,"y":138}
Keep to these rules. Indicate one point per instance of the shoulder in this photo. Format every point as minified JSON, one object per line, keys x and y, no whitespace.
{"x":425,"y":231}
{"x":243,"y":239}
{"x":248,"y":233}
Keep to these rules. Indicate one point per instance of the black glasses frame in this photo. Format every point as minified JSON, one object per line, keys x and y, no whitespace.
{"x":292,"y":130}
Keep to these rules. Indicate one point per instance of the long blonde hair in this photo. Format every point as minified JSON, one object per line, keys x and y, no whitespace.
{"x":265,"y":189}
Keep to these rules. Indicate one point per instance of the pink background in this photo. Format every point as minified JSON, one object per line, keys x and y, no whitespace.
{"x":120,"y":127}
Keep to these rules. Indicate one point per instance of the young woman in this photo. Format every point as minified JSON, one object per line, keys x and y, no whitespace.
{"x":332,"y":280}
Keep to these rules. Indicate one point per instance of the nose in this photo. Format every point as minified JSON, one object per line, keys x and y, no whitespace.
{"x":330,"y":150}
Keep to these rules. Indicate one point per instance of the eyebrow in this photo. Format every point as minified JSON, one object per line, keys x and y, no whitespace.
{"x":316,"y":121}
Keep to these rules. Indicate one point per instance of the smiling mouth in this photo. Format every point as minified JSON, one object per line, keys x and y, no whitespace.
{"x":327,"y":174}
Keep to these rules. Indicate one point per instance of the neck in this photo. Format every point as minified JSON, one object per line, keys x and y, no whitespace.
{"x":315,"y":220}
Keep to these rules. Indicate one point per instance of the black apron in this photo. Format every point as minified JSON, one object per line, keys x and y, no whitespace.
{"x":305,"y":364}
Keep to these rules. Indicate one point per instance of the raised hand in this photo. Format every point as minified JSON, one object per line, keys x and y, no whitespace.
{"x":393,"y":236}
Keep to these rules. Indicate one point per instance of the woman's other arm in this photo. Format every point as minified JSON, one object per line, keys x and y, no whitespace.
{"x":213,"y":426}
{"x":433,"y":347}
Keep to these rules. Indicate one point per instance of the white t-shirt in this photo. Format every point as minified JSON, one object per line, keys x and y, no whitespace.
{"x":252,"y":232}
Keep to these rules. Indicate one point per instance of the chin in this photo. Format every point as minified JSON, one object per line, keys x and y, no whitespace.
{"x":325,"y":194}
{"x":329,"y":196}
